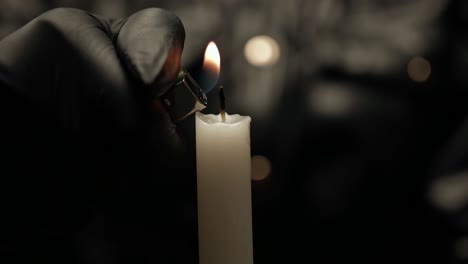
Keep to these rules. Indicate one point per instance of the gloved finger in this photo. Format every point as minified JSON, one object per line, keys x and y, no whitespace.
{"x":67,"y":109}
{"x":74,"y":52}
{"x":64,"y":67}
{"x":65,"y":64}
{"x":150,"y":43}
{"x":74,"y":120}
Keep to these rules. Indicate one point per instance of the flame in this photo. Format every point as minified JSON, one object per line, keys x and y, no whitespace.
{"x":212,"y":61}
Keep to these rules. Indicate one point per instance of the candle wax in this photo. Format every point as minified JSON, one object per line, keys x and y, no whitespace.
{"x":224,"y":189}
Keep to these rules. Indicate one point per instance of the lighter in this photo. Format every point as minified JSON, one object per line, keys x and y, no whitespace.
{"x":184,"y":98}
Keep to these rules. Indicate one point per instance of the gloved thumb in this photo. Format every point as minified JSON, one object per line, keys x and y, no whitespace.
{"x":150,"y":44}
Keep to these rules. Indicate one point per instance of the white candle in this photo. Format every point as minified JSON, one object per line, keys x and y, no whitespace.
{"x":224,"y":189}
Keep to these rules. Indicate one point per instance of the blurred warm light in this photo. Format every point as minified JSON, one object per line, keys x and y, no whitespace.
{"x":450,"y":193}
{"x":331,"y":99}
{"x":461,"y":248}
{"x":212,"y":60}
{"x":261,"y":168}
{"x":419,"y":69}
{"x":262,"y":51}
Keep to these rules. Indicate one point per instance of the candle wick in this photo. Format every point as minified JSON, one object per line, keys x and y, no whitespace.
{"x":222,"y":104}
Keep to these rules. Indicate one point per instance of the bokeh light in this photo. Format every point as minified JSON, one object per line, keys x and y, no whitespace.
{"x":450,"y":193}
{"x":261,"y":168}
{"x":262,"y":51}
{"x":331,"y":100}
{"x":419,"y":69}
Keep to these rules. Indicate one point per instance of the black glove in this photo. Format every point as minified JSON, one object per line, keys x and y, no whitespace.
{"x":88,"y":152}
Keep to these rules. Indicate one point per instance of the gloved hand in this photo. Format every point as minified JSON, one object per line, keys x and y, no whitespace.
{"x":85,"y":145}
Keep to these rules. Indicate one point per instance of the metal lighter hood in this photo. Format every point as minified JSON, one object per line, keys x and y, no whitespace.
{"x":184,"y":98}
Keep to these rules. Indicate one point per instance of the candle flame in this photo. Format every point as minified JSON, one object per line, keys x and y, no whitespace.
{"x":212,"y":61}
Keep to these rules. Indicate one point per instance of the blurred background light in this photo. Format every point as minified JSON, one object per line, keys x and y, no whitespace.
{"x":331,"y":99}
{"x":451,"y":192}
{"x":262,"y":51}
{"x":419,"y":69}
{"x":261,"y":168}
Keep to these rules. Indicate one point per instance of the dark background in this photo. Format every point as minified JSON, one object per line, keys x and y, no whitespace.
{"x":358,"y":127}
